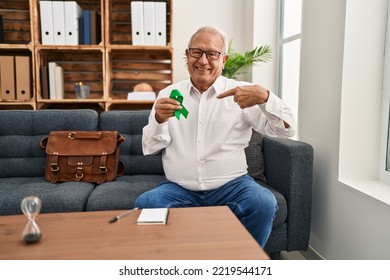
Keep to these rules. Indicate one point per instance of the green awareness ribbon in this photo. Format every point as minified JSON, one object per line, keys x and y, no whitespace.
{"x":176,"y":94}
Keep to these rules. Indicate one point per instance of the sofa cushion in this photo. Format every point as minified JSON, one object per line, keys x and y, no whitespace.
{"x":255,"y":158}
{"x":281,"y":213}
{"x":130,"y":125}
{"x":22,"y":130}
{"x":64,"y":197}
{"x":122,"y":193}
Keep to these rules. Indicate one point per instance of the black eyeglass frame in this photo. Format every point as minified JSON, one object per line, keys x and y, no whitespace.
{"x":208,"y":53}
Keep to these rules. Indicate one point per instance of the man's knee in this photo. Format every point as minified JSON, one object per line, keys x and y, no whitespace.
{"x":165,"y":197}
{"x":262,"y":201}
{"x":144,"y":201}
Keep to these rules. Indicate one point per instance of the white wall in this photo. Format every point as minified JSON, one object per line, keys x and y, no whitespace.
{"x":347,"y":222}
{"x":236,"y":19}
{"x":340,"y":97}
{"x":265,"y":32}
{"x":189,"y":15}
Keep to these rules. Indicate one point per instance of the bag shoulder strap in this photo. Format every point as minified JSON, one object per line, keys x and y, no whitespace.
{"x":43,"y":143}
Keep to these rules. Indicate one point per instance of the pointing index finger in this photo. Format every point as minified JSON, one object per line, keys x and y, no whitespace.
{"x":227,"y":93}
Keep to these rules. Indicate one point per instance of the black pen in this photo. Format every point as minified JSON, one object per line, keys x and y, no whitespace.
{"x":127,"y":213}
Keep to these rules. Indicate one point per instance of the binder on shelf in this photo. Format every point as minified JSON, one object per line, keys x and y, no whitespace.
{"x":52,"y":80}
{"x":73,"y":13}
{"x":46,"y":17}
{"x":149,"y":25}
{"x":7,"y":77}
{"x":23,"y":77}
{"x":160,"y":23}
{"x":58,"y":22}
{"x":137,"y":22}
{"x":87,"y":27}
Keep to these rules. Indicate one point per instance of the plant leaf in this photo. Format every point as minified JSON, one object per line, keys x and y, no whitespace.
{"x":239,"y":63}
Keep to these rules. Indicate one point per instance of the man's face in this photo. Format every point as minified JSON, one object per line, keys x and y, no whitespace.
{"x":203,"y":71}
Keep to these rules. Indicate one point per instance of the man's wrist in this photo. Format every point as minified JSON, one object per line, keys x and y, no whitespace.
{"x":262,"y":99}
{"x":268,"y":93}
{"x":157,"y":119}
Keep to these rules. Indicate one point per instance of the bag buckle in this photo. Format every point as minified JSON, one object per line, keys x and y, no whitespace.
{"x":54,"y":167}
{"x":79,"y":174}
{"x":71,"y":135}
{"x":103,"y":169}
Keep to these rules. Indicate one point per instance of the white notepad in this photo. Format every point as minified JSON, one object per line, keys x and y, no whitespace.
{"x":153,"y":216}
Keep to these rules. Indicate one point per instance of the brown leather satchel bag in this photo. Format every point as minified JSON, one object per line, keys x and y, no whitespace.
{"x":86,"y":156}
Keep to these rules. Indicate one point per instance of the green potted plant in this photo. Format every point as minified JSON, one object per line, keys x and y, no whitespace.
{"x":239,"y":63}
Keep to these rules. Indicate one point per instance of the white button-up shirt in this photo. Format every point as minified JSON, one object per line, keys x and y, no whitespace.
{"x":206,"y":150}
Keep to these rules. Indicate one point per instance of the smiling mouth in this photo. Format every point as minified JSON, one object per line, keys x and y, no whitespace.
{"x":202,"y":69}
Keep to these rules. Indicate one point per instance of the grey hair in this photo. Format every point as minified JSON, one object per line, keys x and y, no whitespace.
{"x":212,"y":30}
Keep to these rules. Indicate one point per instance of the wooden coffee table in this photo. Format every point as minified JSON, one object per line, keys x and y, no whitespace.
{"x":198,"y":233}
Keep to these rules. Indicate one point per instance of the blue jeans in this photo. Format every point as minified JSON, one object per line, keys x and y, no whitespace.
{"x":253,"y":205}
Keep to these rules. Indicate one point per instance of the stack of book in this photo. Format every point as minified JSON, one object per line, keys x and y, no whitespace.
{"x":52,"y":81}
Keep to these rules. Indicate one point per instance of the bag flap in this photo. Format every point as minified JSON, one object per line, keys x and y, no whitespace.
{"x":80,"y":161}
{"x":81,"y":143}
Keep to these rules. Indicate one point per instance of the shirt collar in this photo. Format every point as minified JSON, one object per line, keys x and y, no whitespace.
{"x":217,"y":87}
{"x":220,"y":84}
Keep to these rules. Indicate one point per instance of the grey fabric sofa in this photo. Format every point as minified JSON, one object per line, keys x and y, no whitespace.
{"x":283,"y":165}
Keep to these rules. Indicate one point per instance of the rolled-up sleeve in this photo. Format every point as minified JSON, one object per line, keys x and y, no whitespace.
{"x":155,"y":136}
{"x":275,"y":114}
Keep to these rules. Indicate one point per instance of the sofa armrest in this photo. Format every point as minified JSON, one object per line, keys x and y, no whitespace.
{"x":289,"y":170}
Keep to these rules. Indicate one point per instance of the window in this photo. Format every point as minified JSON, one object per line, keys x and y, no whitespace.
{"x":289,"y":52}
{"x":384,"y":165}
{"x":361,"y":159}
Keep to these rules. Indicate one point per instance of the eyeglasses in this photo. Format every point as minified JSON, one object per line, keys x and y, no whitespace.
{"x":210,"y":55}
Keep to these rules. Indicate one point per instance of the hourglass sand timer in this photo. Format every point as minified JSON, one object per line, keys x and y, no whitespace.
{"x":31,"y":206}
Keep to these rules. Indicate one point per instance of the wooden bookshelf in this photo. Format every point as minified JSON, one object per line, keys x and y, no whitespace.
{"x":17,"y":40}
{"x":112,"y":66}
